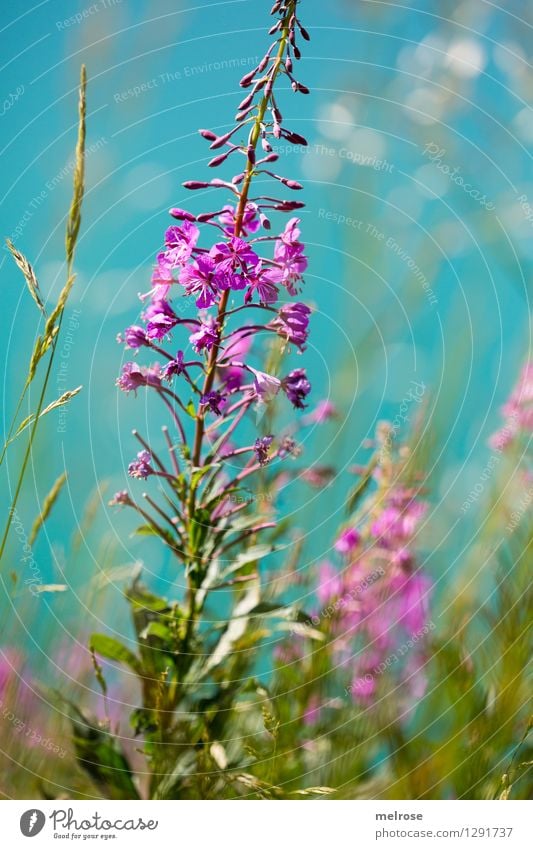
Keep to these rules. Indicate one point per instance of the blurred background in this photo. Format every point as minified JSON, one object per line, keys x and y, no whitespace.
{"x":419,"y":224}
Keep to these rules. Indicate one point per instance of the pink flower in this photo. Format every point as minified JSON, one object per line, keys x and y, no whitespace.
{"x":518,"y":411}
{"x":199,"y":279}
{"x":206,"y":336}
{"x":330,"y":584}
{"x":180,"y":241}
{"x":323,"y":411}
{"x":363,"y":688}
{"x":133,"y":376}
{"x":313,"y":711}
{"x":266,"y":386}
{"x":347,"y":541}
{"x":250,"y":221}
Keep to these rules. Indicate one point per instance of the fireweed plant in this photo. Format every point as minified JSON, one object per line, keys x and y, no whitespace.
{"x":370,"y":615}
{"x":245,"y":274}
{"x":244,"y":281}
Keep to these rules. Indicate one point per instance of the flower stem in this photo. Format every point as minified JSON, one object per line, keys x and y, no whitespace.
{"x":254,"y":139}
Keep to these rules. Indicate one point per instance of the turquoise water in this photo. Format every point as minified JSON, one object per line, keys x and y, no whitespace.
{"x":418,"y":184}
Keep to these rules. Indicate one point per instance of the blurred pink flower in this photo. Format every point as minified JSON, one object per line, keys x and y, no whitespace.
{"x":518,"y":411}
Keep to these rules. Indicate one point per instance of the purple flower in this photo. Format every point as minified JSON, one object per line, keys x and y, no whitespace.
{"x":233,"y":378}
{"x":233,"y":257}
{"x":398,"y":521}
{"x":206,"y":336}
{"x":297,"y":387}
{"x":180,"y":241}
{"x":518,"y":411}
{"x":133,"y":376}
{"x":323,"y":411}
{"x":263,"y":283}
{"x":250,"y":222}
{"x":175,"y":366}
{"x":141,"y":468}
{"x":410,"y":600}
{"x":134,"y":337}
{"x":347,"y":541}
{"x":290,"y":262}
{"x":261,"y":448}
{"x":289,"y":267}
{"x":330,"y":584}
{"x":122,"y":497}
{"x":162,"y":278}
{"x":291,"y":323}
{"x":199,"y":279}
{"x":161,"y":319}
{"x":213,"y":400}
{"x":363,"y":688}
{"x":266,"y":386}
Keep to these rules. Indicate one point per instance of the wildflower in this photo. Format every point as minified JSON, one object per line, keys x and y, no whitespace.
{"x":161,"y":319}
{"x":289,"y":259}
{"x":174,"y":367}
{"x":363,"y":688}
{"x":291,"y":323}
{"x":330,"y":582}
{"x":213,"y":400}
{"x":233,"y":255}
{"x":141,"y":468}
{"x":266,"y":386}
{"x":162,"y":277}
{"x":133,"y":376}
{"x":134,"y":337}
{"x":347,"y":541}
{"x":518,"y":412}
{"x":263,"y":284}
{"x":180,"y":241}
{"x":250,"y":221}
{"x":323,"y":412}
{"x":296,"y":387}
{"x":261,"y":448}
{"x":206,"y":336}
{"x":199,"y":278}
{"x":122,"y":497}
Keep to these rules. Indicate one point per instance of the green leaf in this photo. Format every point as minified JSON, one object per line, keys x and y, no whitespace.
{"x":236,"y":627}
{"x":251,"y":555}
{"x":142,"y":598}
{"x":162,"y":533}
{"x":199,"y":526}
{"x":114,"y":650}
{"x":190,"y":409}
{"x":100,"y":757}
{"x":156,"y":629}
{"x":198,"y":472}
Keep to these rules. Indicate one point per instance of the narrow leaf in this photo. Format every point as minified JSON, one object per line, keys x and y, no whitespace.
{"x":74,"y":216}
{"x":59,"y":402}
{"x":48,"y":503}
{"x":114,"y":650}
{"x":29,"y":274}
